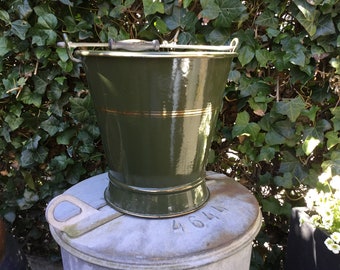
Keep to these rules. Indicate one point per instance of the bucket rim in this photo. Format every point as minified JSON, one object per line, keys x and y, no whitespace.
{"x":148,"y":49}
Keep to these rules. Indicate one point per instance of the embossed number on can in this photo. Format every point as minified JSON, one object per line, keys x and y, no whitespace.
{"x":196,"y":222}
{"x":177,"y":226}
{"x":201,"y":219}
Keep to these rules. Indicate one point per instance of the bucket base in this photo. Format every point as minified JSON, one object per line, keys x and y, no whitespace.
{"x":156,"y":203}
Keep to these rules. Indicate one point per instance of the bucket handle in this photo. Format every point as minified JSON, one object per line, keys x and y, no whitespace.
{"x":137,"y":45}
{"x":68,"y":45}
{"x":88,"y":219}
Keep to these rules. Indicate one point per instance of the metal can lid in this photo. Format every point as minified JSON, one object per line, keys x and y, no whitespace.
{"x":228,"y":222}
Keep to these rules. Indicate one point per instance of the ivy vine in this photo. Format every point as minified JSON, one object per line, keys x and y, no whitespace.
{"x":279,"y":125}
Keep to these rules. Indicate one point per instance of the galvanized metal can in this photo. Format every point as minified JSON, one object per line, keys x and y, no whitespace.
{"x":94,"y":236}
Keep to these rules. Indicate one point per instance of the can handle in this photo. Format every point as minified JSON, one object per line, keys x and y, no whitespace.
{"x":85,"y":211}
{"x":88,"y":219}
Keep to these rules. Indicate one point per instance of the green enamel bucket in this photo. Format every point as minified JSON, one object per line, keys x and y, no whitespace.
{"x":157,"y":111}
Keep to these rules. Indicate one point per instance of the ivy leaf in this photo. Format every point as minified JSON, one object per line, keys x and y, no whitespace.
{"x":67,"y":2}
{"x":41,"y":154}
{"x":247,"y":37}
{"x":273,"y":206}
{"x":318,"y":130}
{"x":51,"y":125}
{"x":336,"y":118}
{"x":305,"y":8}
{"x":311,"y":112}
{"x":66,"y":66}
{"x":93,"y":130}
{"x":27,"y":158}
{"x":80,"y":108}
{"x":58,"y":104}
{"x":242,"y":120}
{"x":230,"y":11}
{"x":4,"y":46}
{"x":44,"y":31}
{"x":309,"y":144}
{"x":28,"y":200}
{"x":28,"y":179}
{"x":281,"y":132}
{"x":30,"y":98}
{"x":4,"y":132}
{"x":274,"y":138}
{"x":62,"y":53}
{"x":332,"y":139}
{"x":258,"y":107}
{"x":20,"y":28}
{"x":291,"y":108}
{"x":42,"y":53}
{"x":307,"y":23}
{"x":189,"y":21}
{"x":152,"y":7}
{"x":335,"y":62}
{"x":55,"y":91}
{"x":65,"y":137}
{"x":263,"y":57}
{"x":294,"y":51}
{"x":13,"y":121}
{"x":246,"y":54}
{"x":48,"y":21}
{"x":160,"y":25}
{"x":4,"y":16}
{"x":74,"y":174}
{"x":186,"y":3}
{"x":24,"y":9}
{"x":33,"y":143}
{"x":117,"y":11}
{"x":307,"y":16}
{"x":210,"y":10}
{"x":16,"y":109}
{"x":325,"y":27}
{"x":267,"y":153}
{"x":217,"y":37}
{"x":284,"y":181}
{"x":243,"y":127}
{"x":60,"y":163}
{"x":274,"y":5}
{"x":39,"y":84}
{"x":179,"y":18}
{"x":333,"y":163}
{"x":296,"y":57}
{"x":10,"y":216}
{"x":267,"y":19}
{"x":290,"y":164}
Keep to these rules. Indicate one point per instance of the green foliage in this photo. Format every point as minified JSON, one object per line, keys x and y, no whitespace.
{"x":279,"y":124}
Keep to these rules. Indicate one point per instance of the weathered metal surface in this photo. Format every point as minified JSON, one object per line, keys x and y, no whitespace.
{"x":217,"y":236}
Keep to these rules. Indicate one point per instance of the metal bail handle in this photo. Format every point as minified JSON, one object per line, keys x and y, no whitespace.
{"x":88,"y":219}
{"x":135,"y":45}
{"x":138,"y":45}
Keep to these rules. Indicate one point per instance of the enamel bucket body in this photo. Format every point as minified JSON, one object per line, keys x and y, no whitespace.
{"x":156,"y":113}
